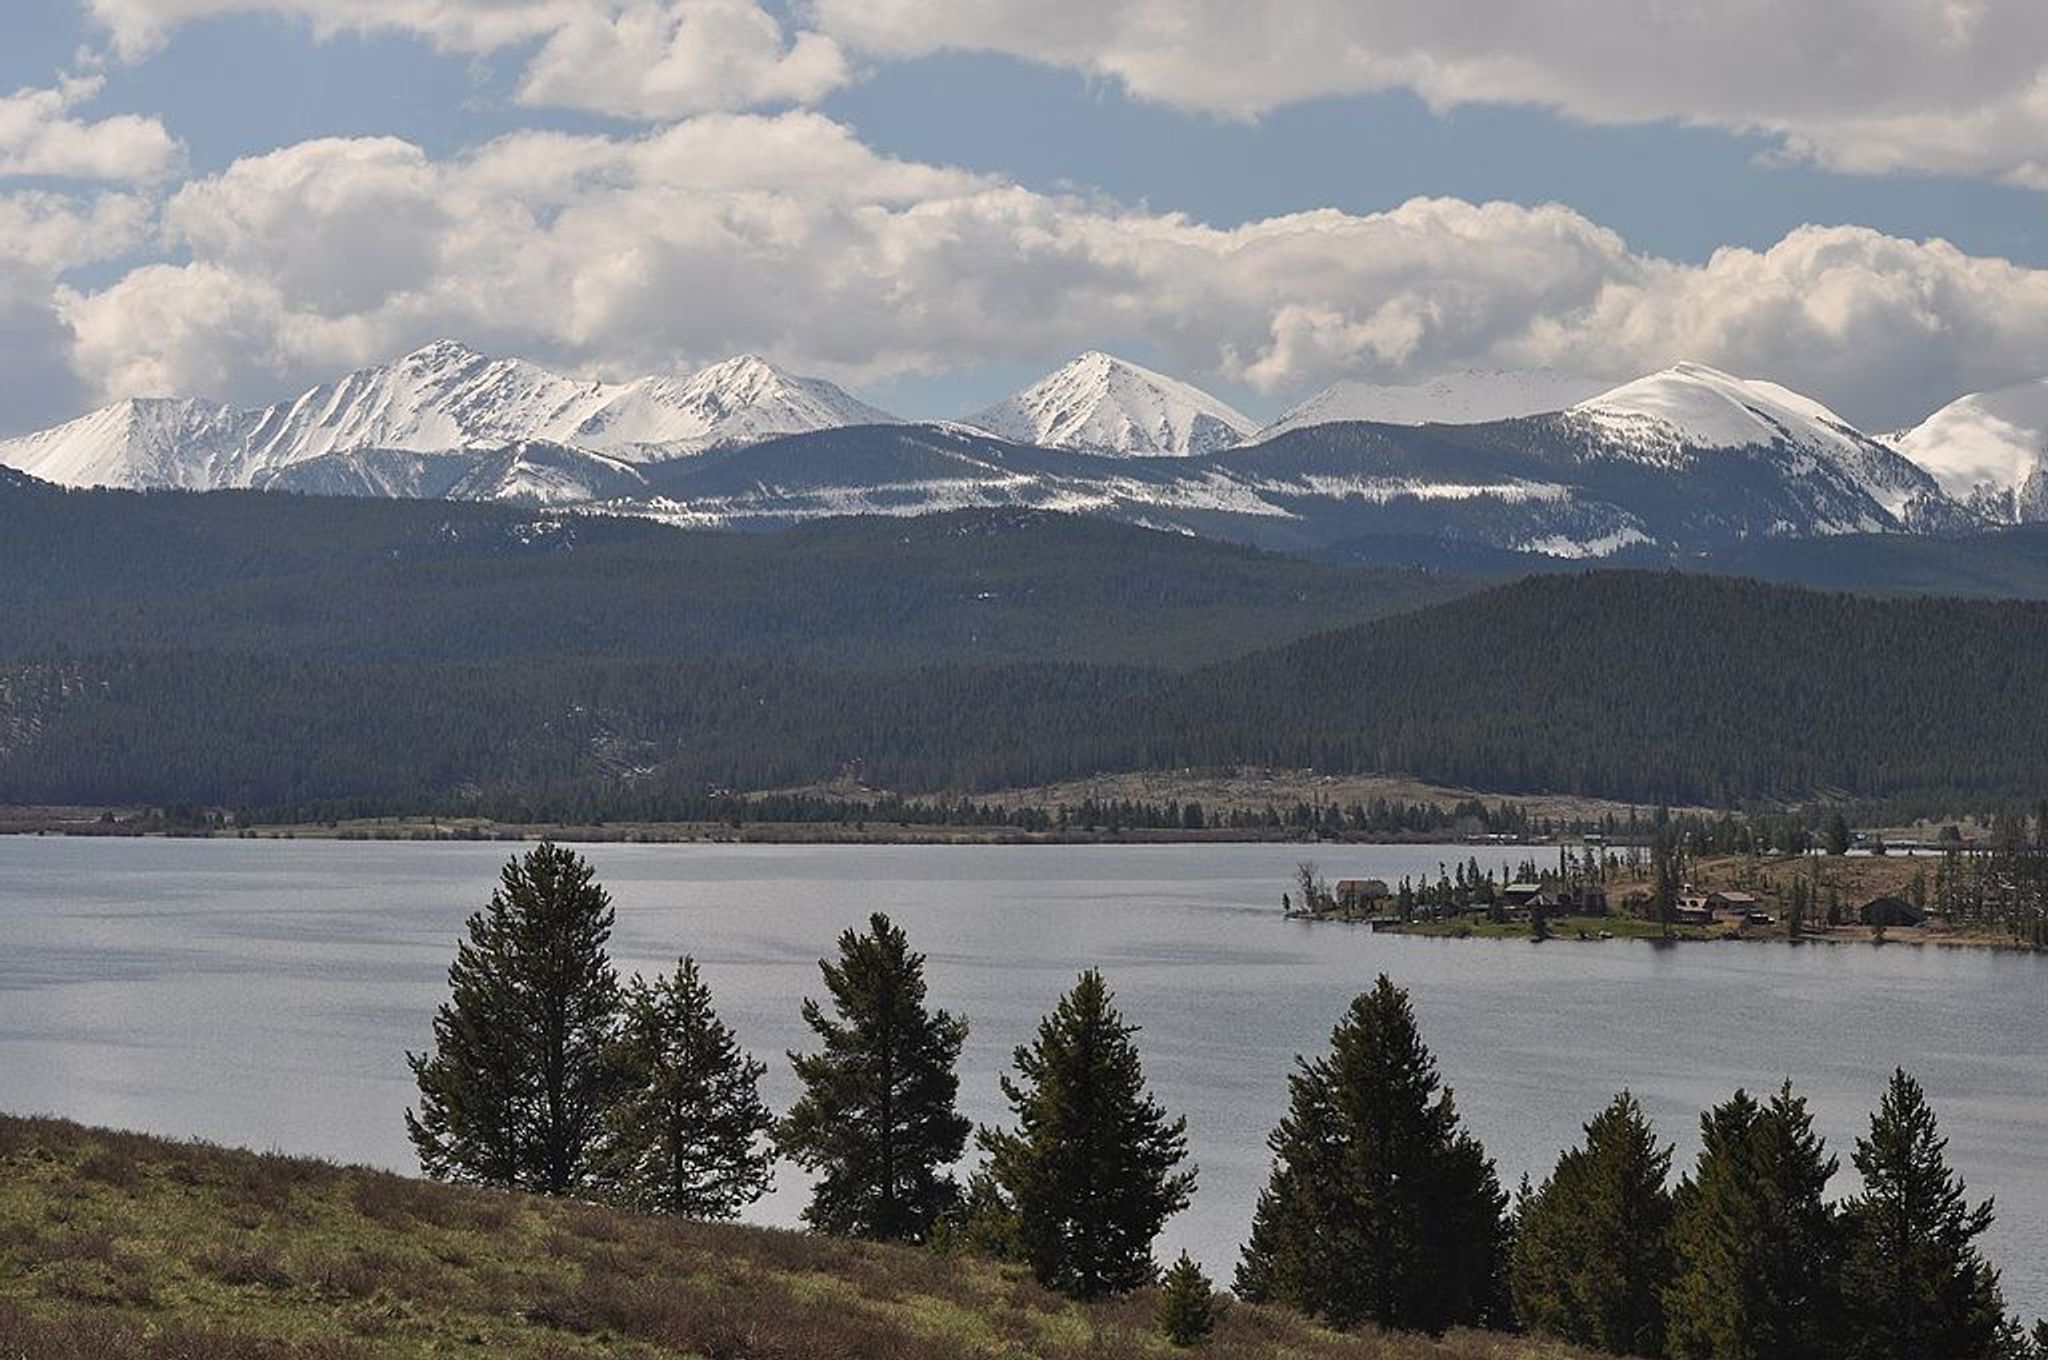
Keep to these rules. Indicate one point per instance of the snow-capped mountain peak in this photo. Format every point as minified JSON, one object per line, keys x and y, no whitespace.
{"x":1988,"y":450}
{"x":747,"y":398}
{"x":1098,"y":403}
{"x":143,"y":441}
{"x":441,"y":397}
{"x":1707,"y":408}
{"x":1471,"y":397}
{"x":1689,"y":406}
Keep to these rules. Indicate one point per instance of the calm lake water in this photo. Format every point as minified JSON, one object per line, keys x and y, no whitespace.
{"x":265,"y":994}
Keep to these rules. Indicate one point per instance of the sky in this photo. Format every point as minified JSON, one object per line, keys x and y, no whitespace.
{"x":932,"y":202}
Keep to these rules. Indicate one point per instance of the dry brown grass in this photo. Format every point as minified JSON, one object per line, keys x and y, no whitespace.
{"x":118,"y":1247}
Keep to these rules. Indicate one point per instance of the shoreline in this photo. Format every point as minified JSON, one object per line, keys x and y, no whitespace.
{"x":1601,"y":930}
{"x":461,"y":830}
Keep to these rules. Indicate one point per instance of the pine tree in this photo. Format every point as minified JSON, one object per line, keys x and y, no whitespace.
{"x":514,"y":1090}
{"x":1381,"y":1207}
{"x":1757,"y":1243}
{"x":1667,"y":875}
{"x":1837,"y":835}
{"x":1914,"y":1282}
{"x":983,"y":1222}
{"x":1091,"y":1168}
{"x":877,"y":1120}
{"x":1188,"y":1307}
{"x":1592,"y":1247}
{"x":685,"y":1132}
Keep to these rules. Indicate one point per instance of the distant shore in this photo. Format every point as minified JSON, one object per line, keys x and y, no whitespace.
{"x":1844,"y":883}
{"x":130,"y":822}
{"x":425,"y":830}
{"x":1583,"y":929}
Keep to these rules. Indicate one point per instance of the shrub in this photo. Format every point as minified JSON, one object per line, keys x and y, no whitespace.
{"x":1187,"y":1303}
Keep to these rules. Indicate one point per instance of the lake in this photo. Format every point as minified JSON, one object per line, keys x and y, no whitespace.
{"x":265,"y":994}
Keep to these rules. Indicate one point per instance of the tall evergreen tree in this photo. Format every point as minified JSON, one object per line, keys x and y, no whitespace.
{"x":1758,"y":1245}
{"x":1914,"y":1283}
{"x":1091,"y":1168}
{"x":1592,"y":1247}
{"x":877,"y":1119}
{"x":1381,"y":1207}
{"x":684,"y":1134}
{"x":514,"y":1090}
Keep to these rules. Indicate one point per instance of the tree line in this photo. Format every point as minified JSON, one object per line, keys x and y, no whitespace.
{"x":548,"y":1074}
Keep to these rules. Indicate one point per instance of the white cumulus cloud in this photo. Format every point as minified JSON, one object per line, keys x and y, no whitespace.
{"x":787,"y":235}
{"x":665,"y":60}
{"x":53,"y":233}
{"x":1952,"y":86}
{"x":41,"y":136}
{"x":43,"y":235}
{"x":649,"y":59}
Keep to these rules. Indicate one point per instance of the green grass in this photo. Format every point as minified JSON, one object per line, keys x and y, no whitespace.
{"x":116,"y":1246}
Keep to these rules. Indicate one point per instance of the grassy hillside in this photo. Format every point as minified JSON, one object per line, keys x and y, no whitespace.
{"x":117,"y":1247}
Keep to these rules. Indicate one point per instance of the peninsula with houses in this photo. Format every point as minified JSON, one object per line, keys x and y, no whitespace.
{"x":1977,"y":894}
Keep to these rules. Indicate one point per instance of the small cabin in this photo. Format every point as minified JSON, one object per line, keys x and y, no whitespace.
{"x":1890,"y":911}
{"x":1355,"y":893}
{"x":1694,"y":909}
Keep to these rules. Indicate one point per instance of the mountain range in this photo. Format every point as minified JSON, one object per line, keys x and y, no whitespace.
{"x":1688,"y":459}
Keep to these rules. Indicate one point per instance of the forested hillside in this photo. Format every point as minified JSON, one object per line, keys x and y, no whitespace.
{"x":1642,"y":686}
{"x":406,"y":581}
{"x":1651,"y":686}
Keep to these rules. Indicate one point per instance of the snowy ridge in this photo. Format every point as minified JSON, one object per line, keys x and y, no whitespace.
{"x":142,"y":442}
{"x":1468,"y":398}
{"x":439,"y":399}
{"x":1099,"y":403}
{"x":1666,"y":417}
{"x":1987,"y":450}
{"x":1687,"y":459}
{"x":448,"y":396}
